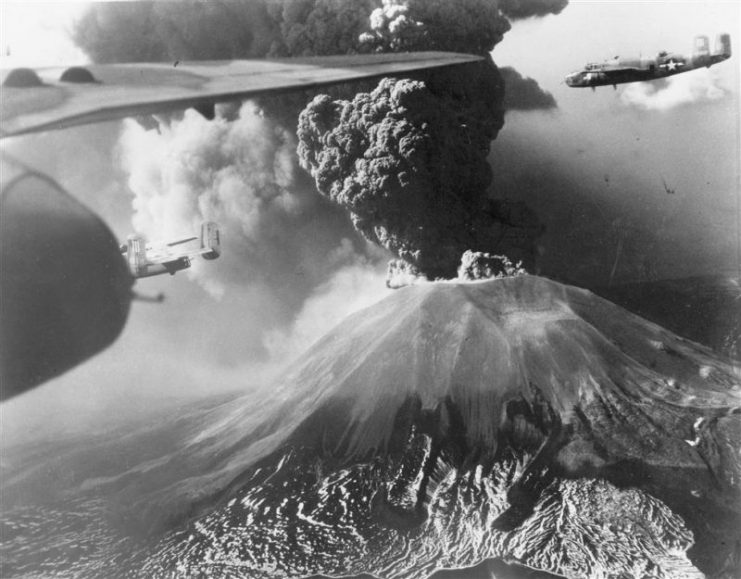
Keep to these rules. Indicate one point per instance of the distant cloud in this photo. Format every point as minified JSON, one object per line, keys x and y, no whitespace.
{"x":694,"y":87}
{"x":523,"y":93}
{"x":516,"y":9}
{"x":36,"y":34}
{"x":243,"y":175}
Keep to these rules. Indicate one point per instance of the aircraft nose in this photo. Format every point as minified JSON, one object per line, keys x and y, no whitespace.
{"x":575,"y":79}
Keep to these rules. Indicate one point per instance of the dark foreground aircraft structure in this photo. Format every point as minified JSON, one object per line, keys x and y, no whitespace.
{"x":664,"y":64}
{"x":65,"y":291}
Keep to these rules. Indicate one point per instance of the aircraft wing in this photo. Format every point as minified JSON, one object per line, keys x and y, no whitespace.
{"x":116,"y":91}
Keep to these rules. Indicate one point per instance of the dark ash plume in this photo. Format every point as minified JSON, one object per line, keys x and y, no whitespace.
{"x":472,"y":26}
{"x":318,"y":27}
{"x":162,"y":31}
{"x":218,"y":29}
{"x":408,"y":161}
{"x":524,"y":93}
{"x":517,"y":9}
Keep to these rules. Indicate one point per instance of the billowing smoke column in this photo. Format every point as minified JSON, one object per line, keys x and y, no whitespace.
{"x":517,"y":9}
{"x":411,"y":174}
{"x":218,"y":29}
{"x":242,"y":174}
{"x":156,"y":31}
{"x":237,"y":173}
{"x":316,"y":27}
{"x":153,"y":31}
{"x":472,"y":26}
{"x":478,"y":265}
{"x":461,"y":25}
{"x":524,"y":93}
{"x":408,"y":160}
{"x":422,"y":172}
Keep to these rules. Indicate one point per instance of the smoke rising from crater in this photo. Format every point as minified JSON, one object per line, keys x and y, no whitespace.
{"x":150,"y":31}
{"x":156,"y":31}
{"x":242,"y":174}
{"x":473,"y":26}
{"x":409,"y":164}
{"x":408,"y":160}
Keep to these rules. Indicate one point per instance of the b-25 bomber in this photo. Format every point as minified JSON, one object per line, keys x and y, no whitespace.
{"x":619,"y":71}
{"x":148,"y":259}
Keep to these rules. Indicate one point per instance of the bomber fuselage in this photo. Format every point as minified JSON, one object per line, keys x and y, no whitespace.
{"x":619,"y":71}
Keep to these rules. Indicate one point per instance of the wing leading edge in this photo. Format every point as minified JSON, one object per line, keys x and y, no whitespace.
{"x":56,"y":98}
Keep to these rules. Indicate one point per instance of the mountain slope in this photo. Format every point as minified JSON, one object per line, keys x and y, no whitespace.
{"x":517,"y":420}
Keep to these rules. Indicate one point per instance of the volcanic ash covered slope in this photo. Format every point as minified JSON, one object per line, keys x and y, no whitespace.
{"x":515,"y":419}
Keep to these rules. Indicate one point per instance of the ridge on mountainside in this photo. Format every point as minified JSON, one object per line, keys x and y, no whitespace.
{"x":518,"y":420}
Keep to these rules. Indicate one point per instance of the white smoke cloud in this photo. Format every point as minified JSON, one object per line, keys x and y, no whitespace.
{"x":284,"y":256}
{"x":352,"y":288}
{"x":392,"y":26}
{"x":701,"y":85}
{"x":239,"y":174}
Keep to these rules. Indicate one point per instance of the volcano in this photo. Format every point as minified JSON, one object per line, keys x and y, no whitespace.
{"x":519,"y":422}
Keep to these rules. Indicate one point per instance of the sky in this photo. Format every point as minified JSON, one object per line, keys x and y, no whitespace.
{"x":37,"y":33}
{"x":618,"y":147}
{"x":596,"y":168}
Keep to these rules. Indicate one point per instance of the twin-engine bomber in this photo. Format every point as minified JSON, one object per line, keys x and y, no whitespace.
{"x":620,"y":71}
{"x":148,"y":259}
